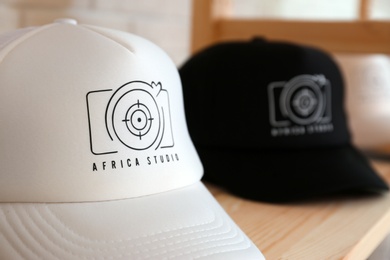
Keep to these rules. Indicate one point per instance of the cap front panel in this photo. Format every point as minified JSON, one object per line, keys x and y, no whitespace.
{"x":105,"y":121}
{"x":270,"y":95}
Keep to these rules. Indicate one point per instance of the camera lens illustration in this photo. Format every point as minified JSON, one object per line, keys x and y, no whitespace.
{"x":136,"y":115}
{"x":303,"y":100}
{"x":136,"y":119}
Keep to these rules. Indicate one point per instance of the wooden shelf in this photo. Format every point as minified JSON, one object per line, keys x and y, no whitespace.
{"x":333,"y":228}
{"x":211,"y":23}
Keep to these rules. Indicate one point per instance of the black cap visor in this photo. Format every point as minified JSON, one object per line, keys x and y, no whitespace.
{"x":290,"y":175}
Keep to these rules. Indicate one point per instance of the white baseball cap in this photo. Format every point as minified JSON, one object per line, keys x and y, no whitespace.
{"x":96,"y":160}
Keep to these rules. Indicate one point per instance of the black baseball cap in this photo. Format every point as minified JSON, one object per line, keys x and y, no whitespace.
{"x":268,"y":121}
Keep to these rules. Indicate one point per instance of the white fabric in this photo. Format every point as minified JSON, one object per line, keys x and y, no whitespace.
{"x":181,"y":224}
{"x":45,"y":145}
{"x":96,"y":160}
{"x":8,"y":37}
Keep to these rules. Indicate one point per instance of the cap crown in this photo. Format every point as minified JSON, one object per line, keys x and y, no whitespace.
{"x":87,"y":114}
{"x":273,"y":94}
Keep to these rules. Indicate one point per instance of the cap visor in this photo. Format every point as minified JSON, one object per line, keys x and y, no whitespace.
{"x":183,"y":224}
{"x":284,"y":176}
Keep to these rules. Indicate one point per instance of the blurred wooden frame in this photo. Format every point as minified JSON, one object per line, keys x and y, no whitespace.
{"x":211,"y":24}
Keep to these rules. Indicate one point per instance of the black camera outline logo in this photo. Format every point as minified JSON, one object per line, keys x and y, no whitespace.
{"x":303,"y":100}
{"x":137,"y":115}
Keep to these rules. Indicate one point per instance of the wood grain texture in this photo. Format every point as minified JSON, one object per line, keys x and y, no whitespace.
{"x":333,"y":228}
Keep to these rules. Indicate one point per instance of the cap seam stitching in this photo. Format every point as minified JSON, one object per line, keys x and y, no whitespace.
{"x":16,"y":42}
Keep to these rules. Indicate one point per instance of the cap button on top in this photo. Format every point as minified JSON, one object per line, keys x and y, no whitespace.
{"x":66,"y":21}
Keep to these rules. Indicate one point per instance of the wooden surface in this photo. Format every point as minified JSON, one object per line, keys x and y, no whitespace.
{"x":211,"y":23}
{"x":333,"y":228}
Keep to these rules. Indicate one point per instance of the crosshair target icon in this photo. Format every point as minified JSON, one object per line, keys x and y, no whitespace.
{"x":303,"y":100}
{"x":136,"y":119}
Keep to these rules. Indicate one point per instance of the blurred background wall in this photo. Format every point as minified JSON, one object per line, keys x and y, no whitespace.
{"x":168,"y":22}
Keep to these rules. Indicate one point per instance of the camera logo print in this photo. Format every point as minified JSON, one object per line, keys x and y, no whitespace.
{"x":136,"y":115}
{"x":303,"y":100}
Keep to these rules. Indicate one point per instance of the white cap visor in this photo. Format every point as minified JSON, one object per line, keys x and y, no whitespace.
{"x":182,"y":224}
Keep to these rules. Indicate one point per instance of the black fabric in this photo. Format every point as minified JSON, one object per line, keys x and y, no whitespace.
{"x":285,"y":176}
{"x":225,"y":87}
{"x":252,"y":107}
